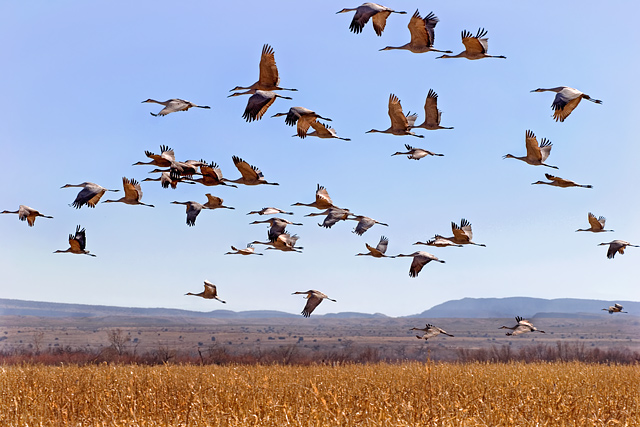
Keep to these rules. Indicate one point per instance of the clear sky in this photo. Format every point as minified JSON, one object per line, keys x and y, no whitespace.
{"x":74,"y":75}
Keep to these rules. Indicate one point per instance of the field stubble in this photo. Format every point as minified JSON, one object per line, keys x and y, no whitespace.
{"x":407,"y":394}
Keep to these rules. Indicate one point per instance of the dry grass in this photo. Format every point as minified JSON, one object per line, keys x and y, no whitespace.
{"x":409,"y":394}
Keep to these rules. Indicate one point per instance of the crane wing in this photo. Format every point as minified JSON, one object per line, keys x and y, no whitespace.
{"x":563,"y":106}
{"x":79,"y":240}
{"x":474,"y":44}
{"x":382,"y":245}
{"x":193,"y":210}
{"x":361,"y":18}
{"x":258,"y":104}
{"x":398,"y":119}
{"x":595,"y":223}
{"x":130,"y":190}
{"x":431,"y":112}
{"x":364,"y":224}
{"x":417,"y":264}
{"x":312,"y":302}
{"x":533,"y":150}
{"x":247,"y":171}
{"x":322,"y":196}
{"x":268,"y":70}
{"x":380,"y":21}
{"x":420,"y":29}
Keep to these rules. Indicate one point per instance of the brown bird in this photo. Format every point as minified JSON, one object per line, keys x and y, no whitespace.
{"x":90,"y":194}
{"x":400,"y":124}
{"x":314,"y":298}
{"x":173,"y":105}
{"x":250,"y":250}
{"x":302,"y":117}
{"x":251,"y":175}
{"x":379,"y":251}
{"x":536,"y":153}
{"x":420,"y":259}
{"x":277,"y":226}
{"x":616,"y":308}
{"x":211,"y":175}
{"x":476,"y":47}
{"x":430,"y":331}
{"x":566,"y":100}
{"x":284,"y":242}
{"x":25,"y":213}
{"x":596,"y":224}
{"x":323,"y":201}
{"x":77,"y":243}
{"x":560,"y":182}
{"x":270,"y":211}
{"x":521,"y":327}
{"x":422,"y":34}
{"x":163,"y":160}
{"x":259,"y":103}
{"x":194,"y":208}
{"x":364,"y":223}
{"x":132,"y":193}
{"x":438,"y":241}
{"x":167,"y":181}
{"x":432,"y":115}
{"x":617,"y":246}
{"x":269,"y":79}
{"x":210,"y":292}
{"x":323,"y":131}
{"x":462,"y":234}
{"x":415,"y":153}
{"x":333,"y":215}
{"x":378,"y":13}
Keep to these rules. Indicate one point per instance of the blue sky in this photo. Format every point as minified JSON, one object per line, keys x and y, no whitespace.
{"x":75,"y":74}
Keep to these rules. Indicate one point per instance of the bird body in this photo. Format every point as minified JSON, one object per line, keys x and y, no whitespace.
{"x":439,"y":241}
{"x":462,"y":234}
{"x":379,"y":251}
{"x":521,"y":327}
{"x":422,"y":34}
{"x":323,"y":131}
{"x":536,"y":153}
{"x":323,"y":201}
{"x":277,"y":226}
{"x":420,"y":259}
{"x":210,"y":292}
{"x":301,"y":117}
{"x":259,"y":103}
{"x":194,"y":208}
{"x":617,"y":246}
{"x":270,"y":211}
{"x":430,"y":331}
{"x":366,"y":11}
{"x":163,"y":160}
{"x":77,"y":243}
{"x":25,"y":213}
{"x":566,"y":100}
{"x":476,"y":47}
{"x":132,"y":193}
{"x":616,"y":308}
{"x":333,"y":215}
{"x":251,"y":175}
{"x":364,"y":223}
{"x":90,"y":194}
{"x":400,"y":124}
{"x":269,"y":78}
{"x":416,"y":153}
{"x":560,"y":182}
{"x":284,"y":242}
{"x":314,"y":298}
{"x":596,"y":224}
{"x":250,"y":250}
{"x":173,"y":105}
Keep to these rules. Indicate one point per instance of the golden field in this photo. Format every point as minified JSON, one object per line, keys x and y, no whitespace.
{"x":407,"y":394}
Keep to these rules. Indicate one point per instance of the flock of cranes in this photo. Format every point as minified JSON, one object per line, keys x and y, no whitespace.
{"x":262,"y":95}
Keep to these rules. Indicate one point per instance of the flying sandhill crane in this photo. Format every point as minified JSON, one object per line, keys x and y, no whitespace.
{"x":422,"y":34}
{"x":163,"y":160}
{"x":90,"y":194}
{"x":268,"y":80}
{"x":284,"y":242}
{"x":462,"y":234}
{"x":210,"y":292}
{"x":597,"y":224}
{"x":77,"y":243}
{"x":323,"y":131}
{"x":566,"y":100}
{"x":173,"y":105}
{"x":616,"y":308}
{"x":476,"y":47}
{"x":314,"y":298}
{"x":333,"y":215}
{"x":560,"y":182}
{"x":251,"y":175}
{"x":364,"y":223}
{"x":302,"y":117}
{"x":166,"y":181}
{"x":415,"y":153}
{"x":323,"y":201}
{"x":25,"y":213}
{"x":194,"y":208}
{"x":400,"y":124}
{"x":378,"y":13}
{"x":259,"y":103}
{"x":617,"y":246}
{"x":182,"y":169}
{"x":438,"y":241}
{"x":521,"y":327}
{"x":420,"y":259}
{"x":277,"y":226}
{"x":211,"y":175}
{"x":270,"y":211}
{"x":536,"y":154}
{"x":378,"y":251}
{"x":132,"y":193}
{"x":432,"y":115}
{"x":250,"y":250}
{"x":430,"y":331}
